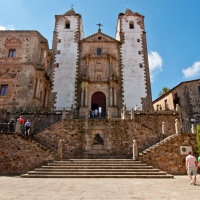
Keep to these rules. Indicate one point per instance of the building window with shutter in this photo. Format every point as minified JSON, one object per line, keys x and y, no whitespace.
{"x":12,"y":53}
{"x":3,"y":90}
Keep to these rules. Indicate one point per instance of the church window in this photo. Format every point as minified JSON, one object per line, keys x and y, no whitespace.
{"x":99,"y":51}
{"x":131,"y":25}
{"x":139,"y":52}
{"x":199,"y":89}
{"x":59,"y":41}
{"x":4,"y":90}
{"x":12,"y":53}
{"x":141,"y":65}
{"x":67,"y":24}
{"x":138,"y":40}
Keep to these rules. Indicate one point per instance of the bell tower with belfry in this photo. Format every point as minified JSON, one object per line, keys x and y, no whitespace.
{"x":130,"y":31}
{"x":68,"y":32}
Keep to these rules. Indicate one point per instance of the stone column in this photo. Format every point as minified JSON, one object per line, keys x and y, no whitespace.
{"x":82,"y":97}
{"x":163,"y":128}
{"x":87,"y":113}
{"x":132,"y":114}
{"x":60,"y":149}
{"x":109,"y":113}
{"x":18,"y":127}
{"x":63,"y":114}
{"x":176,"y":126}
{"x":115,"y":97}
{"x":111,"y":97}
{"x":86,"y":96}
{"x":135,"y":150}
{"x":192,"y":128}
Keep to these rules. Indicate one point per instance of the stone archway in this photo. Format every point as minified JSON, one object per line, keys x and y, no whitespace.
{"x":99,"y":100}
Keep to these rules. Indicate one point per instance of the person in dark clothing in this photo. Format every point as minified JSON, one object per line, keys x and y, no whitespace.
{"x":11,"y":126}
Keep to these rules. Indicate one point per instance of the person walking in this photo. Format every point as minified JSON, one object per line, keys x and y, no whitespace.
{"x":191,"y":167}
{"x":22,"y":121}
{"x":27,"y":126}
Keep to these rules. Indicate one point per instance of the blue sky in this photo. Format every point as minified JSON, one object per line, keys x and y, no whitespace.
{"x":172,"y":26}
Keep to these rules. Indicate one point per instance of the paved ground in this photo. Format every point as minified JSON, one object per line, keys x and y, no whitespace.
{"x":94,"y":189}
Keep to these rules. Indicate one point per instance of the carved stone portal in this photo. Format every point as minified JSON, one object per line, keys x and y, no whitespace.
{"x":98,"y":140}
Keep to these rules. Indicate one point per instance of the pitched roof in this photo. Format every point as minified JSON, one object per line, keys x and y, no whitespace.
{"x":70,"y":12}
{"x":99,"y":34}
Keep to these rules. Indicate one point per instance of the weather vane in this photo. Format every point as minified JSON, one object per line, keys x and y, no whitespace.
{"x":127,"y":7}
{"x":72,"y":6}
{"x":99,"y":26}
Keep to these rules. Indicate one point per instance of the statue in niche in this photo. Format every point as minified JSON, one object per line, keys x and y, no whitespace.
{"x":99,"y":78}
{"x":98,"y":139}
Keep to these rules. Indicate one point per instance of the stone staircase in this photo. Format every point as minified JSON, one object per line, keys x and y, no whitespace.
{"x":158,"y":144}
{"x":96,"y":168}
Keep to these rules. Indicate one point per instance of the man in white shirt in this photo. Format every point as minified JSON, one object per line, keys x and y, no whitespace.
{"x":191,"y":167}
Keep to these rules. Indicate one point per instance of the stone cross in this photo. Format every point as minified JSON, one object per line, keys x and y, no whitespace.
{"x":135,"y":150}
{"x":99,"y":26}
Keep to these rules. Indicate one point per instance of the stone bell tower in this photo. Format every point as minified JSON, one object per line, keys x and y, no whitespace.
{"x":67,"y":34}
{"x":135,"y":69}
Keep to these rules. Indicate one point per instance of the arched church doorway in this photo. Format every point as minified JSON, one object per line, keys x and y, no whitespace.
{"x":99,"y":102}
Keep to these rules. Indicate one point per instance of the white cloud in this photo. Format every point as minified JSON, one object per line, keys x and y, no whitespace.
{"x":192,"y":71}
{"x":155,"y":64}
{"x":9,"y":27}
{"x":2,"y":28}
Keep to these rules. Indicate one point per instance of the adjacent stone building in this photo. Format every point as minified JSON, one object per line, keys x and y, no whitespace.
{"x":186,"y":95}
{"x":24,"y":67}
{"x":100,"y":72}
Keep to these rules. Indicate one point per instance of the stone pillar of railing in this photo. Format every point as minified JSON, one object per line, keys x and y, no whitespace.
{"x":135,"y":150}
{"x":178,"y":110}
{"x":132,"y":114}
{"x":176,"y":126}
{"x":63,"y":114}
{"x":18,"y":127}
{"x":60,"y":148}
{"x":192,"y":128}
{"x":163,"y":128}
{"x":123,"y":112}
{"x":31,"y":130}
{"x":109,"y":113}
{"x":87,"y":113}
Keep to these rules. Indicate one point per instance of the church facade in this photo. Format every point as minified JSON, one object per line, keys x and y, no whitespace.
{"x":100,"y":72}
{"x":97,"y":72}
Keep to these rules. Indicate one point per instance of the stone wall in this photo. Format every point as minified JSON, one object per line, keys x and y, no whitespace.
{"x":78,"y":136}
{"x":19,"y":155}
{"x":166,"y":156}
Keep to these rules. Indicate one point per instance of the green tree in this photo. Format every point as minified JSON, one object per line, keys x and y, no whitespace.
{"x":198,"y":138}
{"x":163,"y":91}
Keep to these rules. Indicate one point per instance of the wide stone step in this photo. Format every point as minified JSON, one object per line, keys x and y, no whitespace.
{"x":98,"y":167}
{"x":95,"y":163}
{"x":96,"y":170}
{"x":98,"y":173}
{"x":95,"y":176}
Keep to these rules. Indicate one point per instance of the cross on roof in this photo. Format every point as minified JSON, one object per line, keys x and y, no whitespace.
{"x":99,"y":25}
{"x":72,"y":6}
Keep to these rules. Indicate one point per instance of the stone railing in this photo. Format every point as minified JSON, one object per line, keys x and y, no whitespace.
{"x":7,"y":128}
